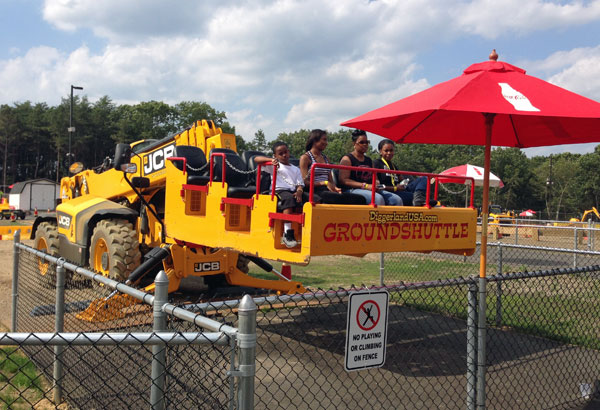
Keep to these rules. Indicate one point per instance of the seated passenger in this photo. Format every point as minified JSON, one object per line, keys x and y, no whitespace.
{"x":324,"y":183}
{"x":359,"y":182}
{"x":289,"y":187}
{"x":413,"y":192}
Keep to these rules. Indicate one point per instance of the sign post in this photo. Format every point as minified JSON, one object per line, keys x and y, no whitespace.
{"x":366,"y":330}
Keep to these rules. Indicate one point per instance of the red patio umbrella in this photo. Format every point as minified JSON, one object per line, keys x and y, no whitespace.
{"x":527,"y":213}
{"x":491,"y":103}
{"x":471,"y":171}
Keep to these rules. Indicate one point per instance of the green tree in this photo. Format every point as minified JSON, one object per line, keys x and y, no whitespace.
{"x":259,"y":142}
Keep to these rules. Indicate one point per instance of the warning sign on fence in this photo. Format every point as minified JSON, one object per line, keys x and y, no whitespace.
{"x":366,"y":330}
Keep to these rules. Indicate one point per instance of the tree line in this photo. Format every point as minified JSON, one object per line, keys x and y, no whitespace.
{"x":34,"y":142}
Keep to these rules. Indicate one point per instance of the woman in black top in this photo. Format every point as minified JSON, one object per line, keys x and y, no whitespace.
{"x":413,"y":192}
{"x":359,"y":182}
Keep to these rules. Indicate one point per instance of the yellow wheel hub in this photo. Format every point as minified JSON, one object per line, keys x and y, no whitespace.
{"x":42,"y":264}
{"x":101,"y":257}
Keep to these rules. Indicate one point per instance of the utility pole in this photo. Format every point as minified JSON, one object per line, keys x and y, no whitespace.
{"x":71,"y":129}
{"x":549,"y":190}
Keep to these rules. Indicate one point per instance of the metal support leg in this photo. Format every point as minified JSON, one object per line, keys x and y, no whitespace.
{"x":159,"y":352}
{"x":59,"y":326}
{"x":381,"y":268}
{"x":481,"y":341}
{"x":499,"y":289}
{"x":246,"y":338}
{"x":472,"y":346}
{"x":575,"y":248}
{"x":15,"y":280}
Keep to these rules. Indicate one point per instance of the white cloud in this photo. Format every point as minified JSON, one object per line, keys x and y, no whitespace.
{"x":279,"y":65}
{"x":493,"y":18}
{"x":576,"y":70}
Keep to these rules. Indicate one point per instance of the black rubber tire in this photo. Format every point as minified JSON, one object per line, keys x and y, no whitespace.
{"x":46,"y":240}
{"x":119,"y":241}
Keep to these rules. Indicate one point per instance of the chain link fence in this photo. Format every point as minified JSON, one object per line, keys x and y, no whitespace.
{"x":145,"y":353}
{"x":517,"y":248}
{"x":526,"y":337}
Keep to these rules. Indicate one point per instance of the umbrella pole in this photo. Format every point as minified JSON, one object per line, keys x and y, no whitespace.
{"x":481,"y":322}
{"x":489,"y":121}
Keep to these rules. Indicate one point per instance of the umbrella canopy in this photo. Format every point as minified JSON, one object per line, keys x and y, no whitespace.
{"x":491,"y":103}
{"x":471,"y":171}
{"x":528,"y":112}
{"x":528,"y":213}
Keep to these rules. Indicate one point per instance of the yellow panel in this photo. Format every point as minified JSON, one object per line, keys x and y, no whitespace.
{"x":362,"y":229}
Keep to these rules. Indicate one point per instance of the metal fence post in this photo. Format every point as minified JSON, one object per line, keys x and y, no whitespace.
{"x":517,"y":233}
{"x":481,"y":341}
{"x":246,"y":339}
{"x":499,"y":289}
{"x":59,"y":325}
{"x":575,"y":248}
{"x":381,"y":268}
{"x":472,"y":346}
{"x":15,"y":279}
{"x":159,"y":353}
{"x":590,"y":235}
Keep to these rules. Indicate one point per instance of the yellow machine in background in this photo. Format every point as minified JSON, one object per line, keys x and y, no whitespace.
{"x":588,"y":215}
{"x":185,"y":204}
{"x":499,"y":217}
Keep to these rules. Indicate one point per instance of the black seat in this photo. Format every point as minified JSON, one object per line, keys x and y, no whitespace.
{"x":335,"y":175}
{"x":196,"y":164}
{"x":247,"y":158}
{"x":295,"y":161}
{"x":235,"y":173}
{"x":251,"y":165}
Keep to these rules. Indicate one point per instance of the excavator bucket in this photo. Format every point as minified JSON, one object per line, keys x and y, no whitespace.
{"x":109,"y":308}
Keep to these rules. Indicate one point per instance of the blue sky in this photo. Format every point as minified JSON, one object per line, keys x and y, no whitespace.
{"x":285,"y":65}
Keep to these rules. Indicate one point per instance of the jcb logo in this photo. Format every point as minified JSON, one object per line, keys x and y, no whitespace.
{"x":155,"y":161}
{"x":207,"y":266}
{"x":64,"y":221}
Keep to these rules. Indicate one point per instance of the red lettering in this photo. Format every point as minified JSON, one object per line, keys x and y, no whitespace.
{"x":426,"y":234}
{"x":329,"y":232}
{"x":437,"y":227}
{"x":456,"y":232}
{"x":369,"y":232}
{"x":394,"y":230}
{"x":447,"y":226}
{"x":343,"y":232}
{"x":353,"y":235}
{"x":464,"y":232}
{"x":417,"y":231}
{"x":405,"y":231}
{"x":383,"y":228}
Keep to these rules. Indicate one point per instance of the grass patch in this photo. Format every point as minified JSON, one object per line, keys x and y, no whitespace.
{"x":20,"y":382}
{"x":330,"y":272}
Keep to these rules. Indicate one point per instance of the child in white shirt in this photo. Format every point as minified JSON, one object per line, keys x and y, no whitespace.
{"x":289,"y":187}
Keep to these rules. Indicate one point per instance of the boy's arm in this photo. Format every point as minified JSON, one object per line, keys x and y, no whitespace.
{"x":261,"y":159}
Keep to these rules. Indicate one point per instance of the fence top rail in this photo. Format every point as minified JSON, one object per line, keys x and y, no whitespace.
{"x":542,"y":248}
{"x":327,"y":294}
{"x":202,"y":321}
{"x":147,"y":298}
{"x":542,"y":273}
{"x":108,"y":338}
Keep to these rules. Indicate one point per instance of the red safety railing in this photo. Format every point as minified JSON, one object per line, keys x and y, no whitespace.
{"x":375,"y":171}
{"x":374,"y":180}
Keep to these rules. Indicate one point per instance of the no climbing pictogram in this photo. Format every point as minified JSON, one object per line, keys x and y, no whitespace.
{"x":368,"y":315}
